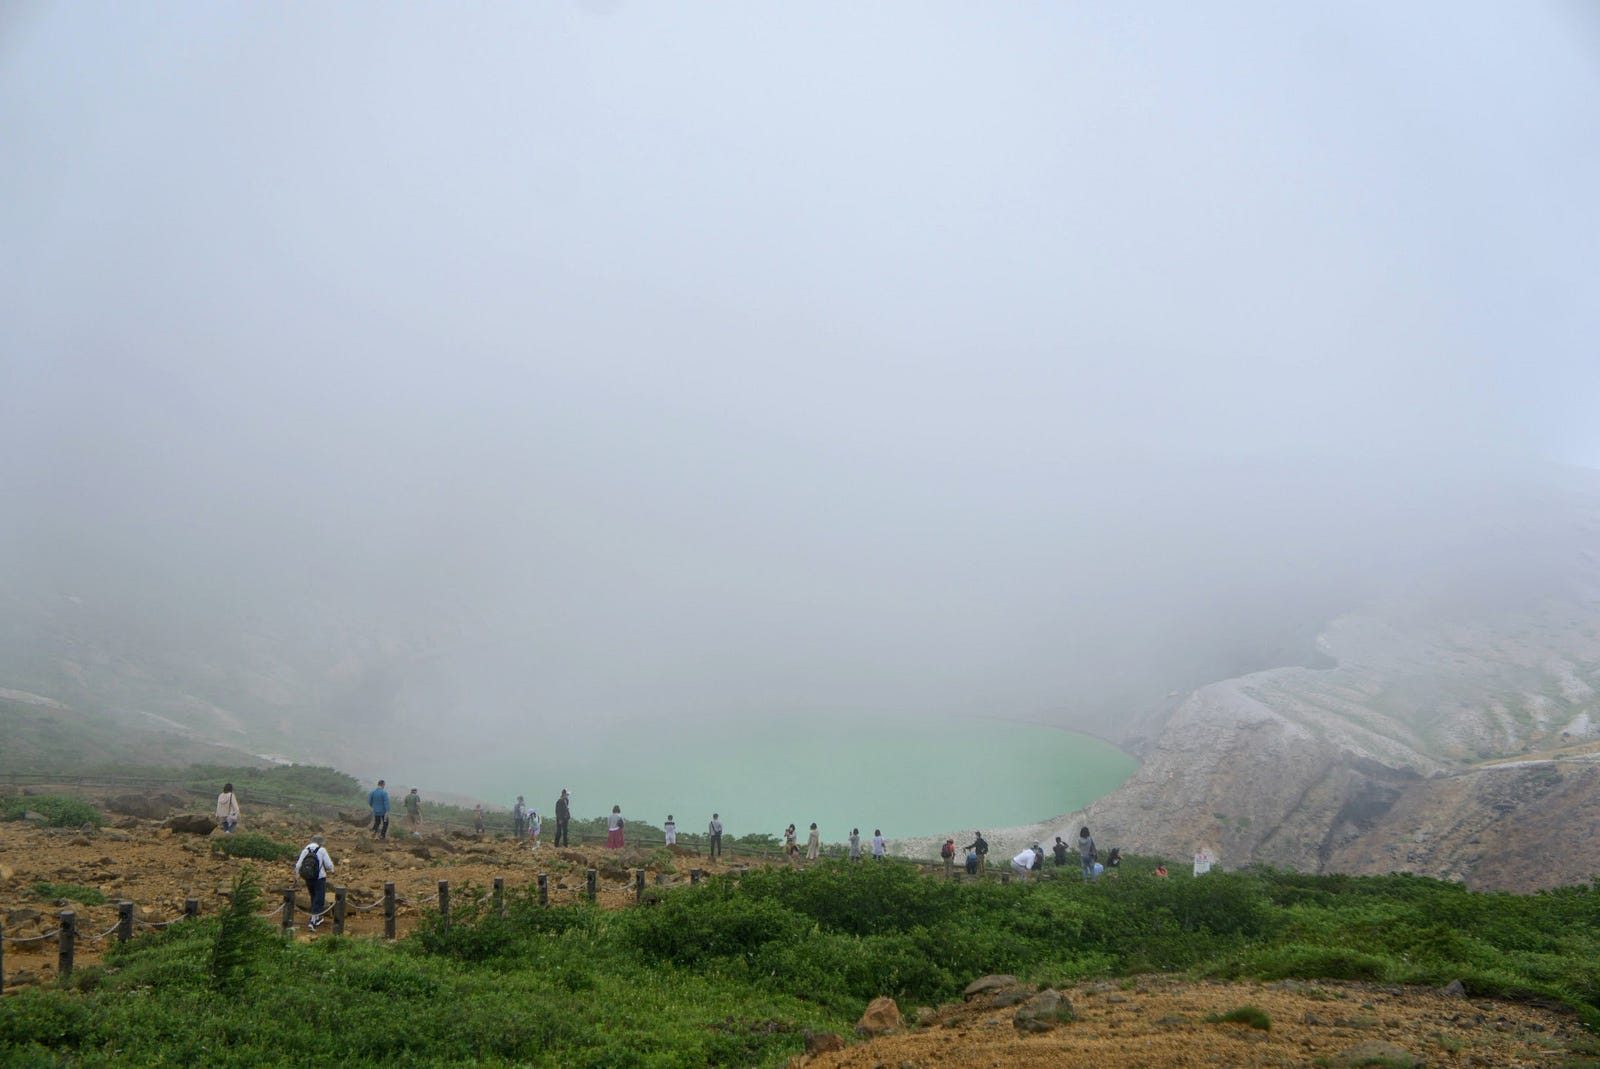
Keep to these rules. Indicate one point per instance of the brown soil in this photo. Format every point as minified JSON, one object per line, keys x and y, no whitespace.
{"x":1153,"y":1021}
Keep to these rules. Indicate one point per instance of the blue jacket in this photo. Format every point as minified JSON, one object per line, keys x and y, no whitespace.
{"x":379,"y":801}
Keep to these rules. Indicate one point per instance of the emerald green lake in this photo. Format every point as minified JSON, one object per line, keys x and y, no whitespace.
{"x":927,"y":777}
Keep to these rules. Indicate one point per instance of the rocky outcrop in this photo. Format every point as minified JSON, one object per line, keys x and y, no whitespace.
{"x":881,"y":1018}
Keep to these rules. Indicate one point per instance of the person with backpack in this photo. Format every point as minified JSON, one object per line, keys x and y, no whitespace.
{"x":314,"y":867}
{"x":714,"y":831}
{"x":948,"y":850}
{"x":227,"y":809}
{"x":1087,"y":854}
{"x":414,"y":813}
{"x":614,"y":826}
{"x":563,"y":816}
{"x":379,"y":801}
{"x":980,"y":846}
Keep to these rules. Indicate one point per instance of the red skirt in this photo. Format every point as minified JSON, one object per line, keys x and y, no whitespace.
{"x":614,"y":838}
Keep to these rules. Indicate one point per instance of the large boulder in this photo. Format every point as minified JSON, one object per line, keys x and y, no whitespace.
{"x":191,"y":824}
{"x":1042,"y":1013}
{"x":987,"y":985}
{"x":145,"y":806}
{"x":881,"y":1018}
{"x":823,"y":1042}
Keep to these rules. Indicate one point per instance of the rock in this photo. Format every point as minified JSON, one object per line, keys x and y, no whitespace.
{"x":1043,"y":1012}
{"x":17,"y":917}
{"x":423,"y":852}
{"x":986,"y":984}
{"x":145,"y":806}
{"x":6,"y":872}
{"x":882,"y":1017}
{"x":1011,"y":996}
{"x":1378,"y":1052}
{"x":1171,"y":1019}
{"x":1454,"y":989}
{"x":822,"y":1042}
{"x":1311,"y":1020}
{"x":1117,"y":998}
{"x":190,"y":824}
{"x":356,"y":820}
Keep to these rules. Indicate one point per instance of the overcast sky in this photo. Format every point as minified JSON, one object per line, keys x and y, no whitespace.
{"x":749,"y":334}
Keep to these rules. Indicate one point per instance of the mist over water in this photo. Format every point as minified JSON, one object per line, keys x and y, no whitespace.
{"x":910,"y":778}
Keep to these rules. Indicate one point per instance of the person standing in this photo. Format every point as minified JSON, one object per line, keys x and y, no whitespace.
{"x":477,"y":819}
{"x":791,"y":849}
{"x":614,"y":825}
{"x":534,"y":824}
{"x":1060,"y":850}
{"x":519,"y":819}
{"x":414,"y":813}
{"x":227,"y":809}
{"x":878,"y":845}
{"x":855,"y":844}
{"x":812,"y":843}
{"x":1086,"y":852}
{"x":980,"y":846}
{"x":563,"y":817}
{"x":671,"y":828}
{"x":315,"y":866}
{"x":379,"y":801}
{"x":714,"y":829}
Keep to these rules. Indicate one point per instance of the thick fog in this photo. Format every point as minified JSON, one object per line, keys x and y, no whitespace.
{"x":588,"y":362}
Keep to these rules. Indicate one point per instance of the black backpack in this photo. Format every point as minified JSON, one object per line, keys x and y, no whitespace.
{"x":310,"y":867}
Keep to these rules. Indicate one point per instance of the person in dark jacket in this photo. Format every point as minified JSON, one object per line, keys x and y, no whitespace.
{"x":980,"y":846}
{"x":1060,"y":850}
{"x":1086,"y":852}
{"x":563,"y":816}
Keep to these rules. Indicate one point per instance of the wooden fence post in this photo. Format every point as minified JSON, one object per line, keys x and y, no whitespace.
{"x":544,"y":890}
{"x":191,"y":908}
{"x":638,"y":886}
{"x":694,"y":877}
{"x":2,"y":957}
{"x":338,"y":910}
{"x":444,"y":905}
{"x":589,"y":882}
{"x":661,"y":878}
{"x":288,"y":909}
{"x":500,"y":895}
{"x":1005,"y":877}
{"x":388,"y":911}
{"x":124,"y":921}
{"x":69,"y":932}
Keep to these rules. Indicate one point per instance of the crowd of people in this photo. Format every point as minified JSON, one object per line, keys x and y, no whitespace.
{"x":527,"y":825}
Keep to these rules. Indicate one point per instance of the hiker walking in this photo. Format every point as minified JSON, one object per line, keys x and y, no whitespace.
{"x":671,"y":829}
{"x":379,"y":801}
{"x":614,"y":825}
{"x":314,"y":866}
{"x":979,"y":846}
{"x":715,"y":831}
{"x":414,"y":813}
{"x":1086,"y":852}
{"x":563,"y":816}
{"x":227,"y":809}
{"x":519,"y":819}
{"x":813,"y":846}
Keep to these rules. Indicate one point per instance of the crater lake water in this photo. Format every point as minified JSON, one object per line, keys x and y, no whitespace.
{"x":910,"y":778}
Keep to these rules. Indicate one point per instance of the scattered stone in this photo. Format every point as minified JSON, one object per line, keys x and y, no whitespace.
{"x":423,"y":852}
{"x":17,"y":917}
{"x":357,"y":820}
{"x":1378,"y":1052}
{"x":882,"y":1017}
{"x":1171,"y":1019}
{"x":986,"y":984}
{"x":1044,"y":1012}
{"x":1116,"y":997}
{"x":822,"y":1042}
{"x":1312,"y":1020}
{"x":1454,"y":989}
{"x":1011,"y":996}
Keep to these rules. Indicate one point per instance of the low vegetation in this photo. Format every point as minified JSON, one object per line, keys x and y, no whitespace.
{"x":732,"y":973}
{"x":254,"y":845}
{"x":55,"y":811}
{"x":1253,"y":1016}
{"x":72,"y":892}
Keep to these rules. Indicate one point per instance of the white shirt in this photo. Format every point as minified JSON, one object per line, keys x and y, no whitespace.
{"x":227,"y":806}
{"x":877,"y":846}
{"x":1025,"y":859}
{"x":324,"y":862}
{"x":614,"y":821}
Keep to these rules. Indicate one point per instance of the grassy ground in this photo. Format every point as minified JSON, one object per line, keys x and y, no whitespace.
{"x":732,"y":973}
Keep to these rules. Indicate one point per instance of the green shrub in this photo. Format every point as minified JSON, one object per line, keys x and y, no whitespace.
{"x":255,"y":846}
{"x":58,"y":811}
{"x":1253,"y":1016}
{"x":88,"y":896}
